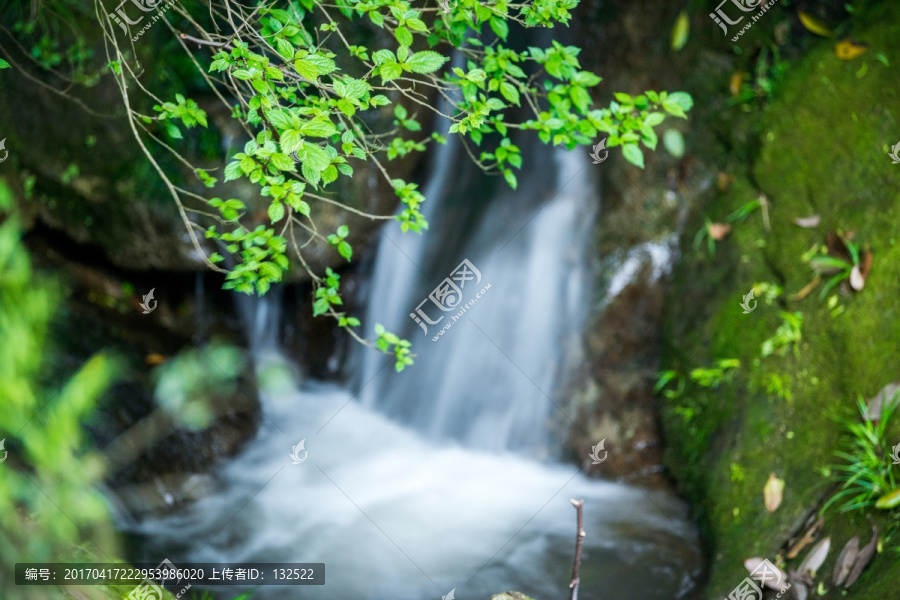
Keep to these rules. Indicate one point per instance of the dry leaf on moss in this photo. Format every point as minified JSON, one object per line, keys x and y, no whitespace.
{"x":719,"y":231}
{"x":808,"y":222}
{"x":772,"y":492}
{"x":814,"y":24}
{"x":849,"y":49}
{"x":814,"y":559}
{"x":845,"y":561}
{"x":807,"y":539}
{"x":863,"y":559}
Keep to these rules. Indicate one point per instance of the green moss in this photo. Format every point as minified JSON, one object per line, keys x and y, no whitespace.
{"x":822,"y":149}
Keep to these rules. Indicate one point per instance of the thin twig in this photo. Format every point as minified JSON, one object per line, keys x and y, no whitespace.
{"x":573,"y":585}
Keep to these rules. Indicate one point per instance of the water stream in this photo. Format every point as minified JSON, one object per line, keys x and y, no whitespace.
{"x":444,"y":476}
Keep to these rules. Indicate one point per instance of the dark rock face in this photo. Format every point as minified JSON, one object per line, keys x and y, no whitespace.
{"x":89,"y":179}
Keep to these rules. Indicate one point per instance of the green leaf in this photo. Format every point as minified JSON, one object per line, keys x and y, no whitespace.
{"x":426,"y":61}
{"x":633,"y":154}
{"x":306,"y":69}
{"x":500,"y":27}
{"x":5,"y":65}
{"x":417,"y":25}
{"x":276,"y":212}
{"x":654,"y":119}
{"x":390,"y":71}
{"x":510,"y":178}
{"x":673,"y":142}
{"x":345,"y":250}
{"x":291,"y":140}
{"x":580,"y":98}
{"x":383,"y":56}
{"x":404,"y":37}
{"x":233,"y":170}
{"x":282,"y":162}
{"x":319,"y":127}
{"x":509,"y":91}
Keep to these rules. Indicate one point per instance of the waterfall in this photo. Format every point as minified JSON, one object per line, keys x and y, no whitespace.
{"x":489,"y":380}
{"x":429,"y":480}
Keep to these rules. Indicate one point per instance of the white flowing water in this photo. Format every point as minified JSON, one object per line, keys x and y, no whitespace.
{"x":443,"y":477}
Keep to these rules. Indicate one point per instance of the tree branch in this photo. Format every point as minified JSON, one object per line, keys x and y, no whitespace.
{"x":573,"y":585}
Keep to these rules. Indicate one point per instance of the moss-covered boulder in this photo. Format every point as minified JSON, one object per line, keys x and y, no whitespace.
{"x":822,"y":148}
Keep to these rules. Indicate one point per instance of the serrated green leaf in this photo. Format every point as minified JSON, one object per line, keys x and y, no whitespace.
{"x":633,"y":154}
{"x":509,"y":91}
{"x":276,"y":212}
{"x":282,"y":162}
{"x":319,"y":127}
{"x":403,"y":35}
{"x":426,"y":61}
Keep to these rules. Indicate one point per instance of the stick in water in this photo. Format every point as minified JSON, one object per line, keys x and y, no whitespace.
{"x":573,"y":585}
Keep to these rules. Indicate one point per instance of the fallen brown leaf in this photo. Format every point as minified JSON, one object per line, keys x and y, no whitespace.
{"x":807,"y":538}
{"x":808,"y":222}
{"x":865,"y":263}
{"x":815,"y":558}
{"x":807,"y":289}
{"x":719,"y":231}
{"x":772,"y":492}
{"x":845,"y":561}
{"x":862,"y":560}
{"x":723,"y":181}
{"x":836,"y":246}
{"x":153,"y":359}
{"x":849,"y":49}
{"x":857,"y":281}
{"x":814,"y":24}
{"x":886,"y":394}
{"x":737,"y":81}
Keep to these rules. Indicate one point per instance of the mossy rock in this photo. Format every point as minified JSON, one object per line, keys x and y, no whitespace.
{"x":823,"y":144}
